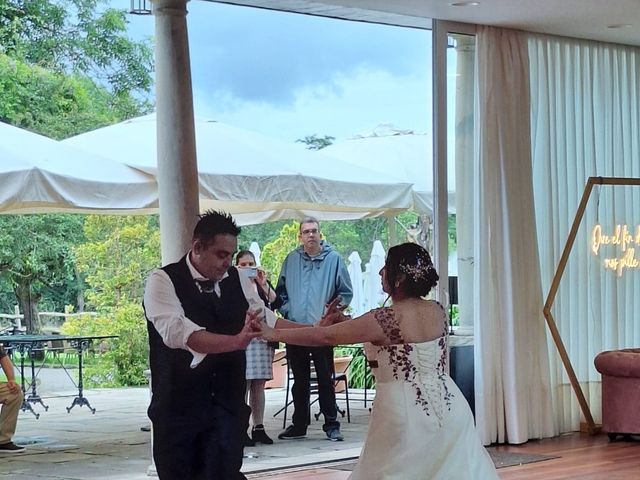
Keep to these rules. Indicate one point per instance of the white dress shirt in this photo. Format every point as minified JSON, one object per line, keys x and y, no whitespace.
{"x":165,"y":312}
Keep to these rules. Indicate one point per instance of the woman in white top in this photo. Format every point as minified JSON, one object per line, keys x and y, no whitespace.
{"x":259,"y":352}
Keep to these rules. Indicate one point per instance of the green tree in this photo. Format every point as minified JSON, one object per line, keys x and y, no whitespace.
{"x":314,"y":142}
{"x":274,"y":252}
{"x":262,"y":233}
{"x":355,"y":235}
{"x":36,"y":257}
{"x":116,"y":258}
{"x":77,"y":36}
{"x":50,"y":103}
{"x":67,"y":66}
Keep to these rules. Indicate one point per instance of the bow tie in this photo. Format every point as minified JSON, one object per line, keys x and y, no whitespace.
{"x":206,"y":286}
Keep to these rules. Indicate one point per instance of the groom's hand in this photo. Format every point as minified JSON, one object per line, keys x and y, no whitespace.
{"x":250,"y":330}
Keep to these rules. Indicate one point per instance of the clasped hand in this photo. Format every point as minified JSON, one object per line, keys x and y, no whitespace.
{"x":334,"y":313}
{"x":255,"y":327}
{"x":252,"y":327}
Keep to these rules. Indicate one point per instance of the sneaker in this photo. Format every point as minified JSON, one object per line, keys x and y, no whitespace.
{"x":11,"y":447}
{"x":334,"y":434}
{"x":260,"y":436}
{"x":247,"y":441}
{"x":292,"y":432}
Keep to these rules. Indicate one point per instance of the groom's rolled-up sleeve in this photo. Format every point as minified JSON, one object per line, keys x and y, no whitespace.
{"x":164,"y":310}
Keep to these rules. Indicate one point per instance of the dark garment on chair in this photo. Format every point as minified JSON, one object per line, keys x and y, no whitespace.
{"x":198,"y":414}
{"x":299,"y":359}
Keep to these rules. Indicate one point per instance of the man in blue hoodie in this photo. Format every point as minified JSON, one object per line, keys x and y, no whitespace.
{"x":312,"y":275}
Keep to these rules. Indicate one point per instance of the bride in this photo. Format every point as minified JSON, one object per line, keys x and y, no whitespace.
{"x":421,"y":426}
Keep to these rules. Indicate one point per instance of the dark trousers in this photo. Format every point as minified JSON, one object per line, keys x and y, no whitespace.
{"x":207,"y":450}
{"x":299,"y":359}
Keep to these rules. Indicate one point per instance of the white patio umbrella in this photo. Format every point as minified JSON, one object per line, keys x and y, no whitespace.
{"x":374,"y":295}
{"x":39,"y":174}
{"x":402,"y":154}
{"x":355,"y":273}
{"x":255,"y":249}
{"x":257,"y":178}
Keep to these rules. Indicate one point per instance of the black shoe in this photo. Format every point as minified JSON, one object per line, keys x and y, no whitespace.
{"x":247,"y":442}
{"x":334,"y":434}
{"x":11,"y":447}
{"x":260,"y":436}
{"x":292,"y":433}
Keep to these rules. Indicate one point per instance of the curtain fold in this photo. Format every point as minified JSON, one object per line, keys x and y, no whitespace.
{"x":513,"y":391}
{"x":585,"y":122}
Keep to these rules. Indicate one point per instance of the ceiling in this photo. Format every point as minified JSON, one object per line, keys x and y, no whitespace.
{"x":590,"y":19}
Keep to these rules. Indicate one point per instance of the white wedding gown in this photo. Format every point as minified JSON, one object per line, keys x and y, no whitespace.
{"x":421,"y":426}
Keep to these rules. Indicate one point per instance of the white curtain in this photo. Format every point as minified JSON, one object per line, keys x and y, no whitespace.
{"x":512,"y":381}
{"x":586,"y":122}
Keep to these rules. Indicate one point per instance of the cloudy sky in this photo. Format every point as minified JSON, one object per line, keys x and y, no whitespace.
{"x":288,"y":75}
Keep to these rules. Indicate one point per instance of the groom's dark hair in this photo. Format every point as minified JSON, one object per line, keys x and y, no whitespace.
{"x":212,"y":223}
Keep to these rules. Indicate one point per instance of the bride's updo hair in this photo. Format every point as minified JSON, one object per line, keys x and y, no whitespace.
{"x":409,"y":265}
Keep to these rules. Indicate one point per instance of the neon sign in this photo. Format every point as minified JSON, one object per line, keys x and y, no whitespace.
{"x":624,"y":240}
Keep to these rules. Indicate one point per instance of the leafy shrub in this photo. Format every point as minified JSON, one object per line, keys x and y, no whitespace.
{"x":274,"y":253}
{"x":117,"y":256}
{"x":122,"y":359}
{"x":357,"y":368}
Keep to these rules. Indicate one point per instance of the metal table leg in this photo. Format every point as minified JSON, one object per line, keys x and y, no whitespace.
{"x":26,"y":406}
{"x":33,"y":397}
{"x":80,"y":400}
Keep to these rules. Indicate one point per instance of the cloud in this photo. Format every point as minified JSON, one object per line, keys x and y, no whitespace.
{"x":267,"y":56}
{"x":346,"y":105}
{"x":290,"y":75}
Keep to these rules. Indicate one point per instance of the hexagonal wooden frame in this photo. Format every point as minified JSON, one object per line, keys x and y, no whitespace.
{"x":592,"y":428}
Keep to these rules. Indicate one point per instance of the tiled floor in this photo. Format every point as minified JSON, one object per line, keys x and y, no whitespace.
{"x":322,"y":474}
{"x":110,"y":445}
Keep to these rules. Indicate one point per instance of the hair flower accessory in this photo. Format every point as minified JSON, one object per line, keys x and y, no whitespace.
{"x":419,"y":271}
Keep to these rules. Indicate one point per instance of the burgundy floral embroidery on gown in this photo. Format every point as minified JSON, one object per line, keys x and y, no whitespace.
{"x":421,"y":427}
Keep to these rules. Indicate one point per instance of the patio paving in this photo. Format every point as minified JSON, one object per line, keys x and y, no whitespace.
{"x":110,"y":444}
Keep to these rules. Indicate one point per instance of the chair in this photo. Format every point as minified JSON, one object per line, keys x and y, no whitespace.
{"x":340,"y":365}
{"x":340,"y":369}
{"x":620,"y":371}
{"x":62,"y":352}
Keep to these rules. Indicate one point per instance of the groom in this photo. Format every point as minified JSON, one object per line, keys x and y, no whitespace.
{"x":196,"y":310}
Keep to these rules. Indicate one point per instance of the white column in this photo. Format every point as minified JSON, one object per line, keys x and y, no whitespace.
{"x":441,"y":245}
{"x":465,"y":64}
{"x":177,"y":167}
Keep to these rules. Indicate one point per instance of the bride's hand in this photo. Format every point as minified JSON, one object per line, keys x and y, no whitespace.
{"x":333,"y":314}
{"x":328,"y":320}
{"x":334,"y":307}
{"x":267,"y":333}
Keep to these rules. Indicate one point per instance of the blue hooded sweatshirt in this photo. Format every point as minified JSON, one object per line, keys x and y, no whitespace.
{"x":306,"y":284}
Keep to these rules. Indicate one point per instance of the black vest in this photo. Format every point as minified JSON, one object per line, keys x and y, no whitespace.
{"x":178,"y":389}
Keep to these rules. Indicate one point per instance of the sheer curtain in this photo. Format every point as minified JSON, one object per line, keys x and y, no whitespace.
{"x":585,"y":120}
{"x":513,"y":397}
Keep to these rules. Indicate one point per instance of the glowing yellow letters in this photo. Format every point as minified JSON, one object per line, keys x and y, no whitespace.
{"x":624,"y":240}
